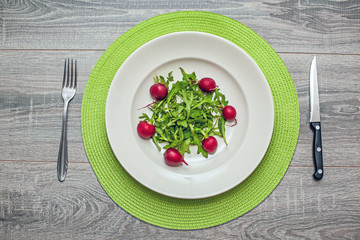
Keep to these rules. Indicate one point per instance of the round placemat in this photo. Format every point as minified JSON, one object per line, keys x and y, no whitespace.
{"x":174,"y":213}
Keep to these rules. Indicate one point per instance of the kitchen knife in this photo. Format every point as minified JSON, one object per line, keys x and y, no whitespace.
{"x":315,"y":121}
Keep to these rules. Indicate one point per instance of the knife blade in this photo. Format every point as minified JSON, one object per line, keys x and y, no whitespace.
{"x":315,"y":121}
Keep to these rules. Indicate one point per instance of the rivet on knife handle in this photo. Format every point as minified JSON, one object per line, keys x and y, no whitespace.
{"x":317,"y":150}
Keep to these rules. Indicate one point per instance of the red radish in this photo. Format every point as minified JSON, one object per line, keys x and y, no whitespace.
{"x":229,"y":113}
{"x":209,"y":144}
{"x":207,"y":85}
{"x":145,"y":129}
{"x":173,"y":157}
{"x":158,"y":91}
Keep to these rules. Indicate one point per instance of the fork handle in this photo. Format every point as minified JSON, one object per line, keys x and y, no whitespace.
{"x":62,"y":163}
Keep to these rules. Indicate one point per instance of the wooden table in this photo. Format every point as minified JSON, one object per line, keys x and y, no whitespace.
{"x":36,"y":37}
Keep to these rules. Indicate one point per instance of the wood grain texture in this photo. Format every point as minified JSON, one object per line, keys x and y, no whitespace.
{"x":289,"y":26}
{"x":31,"y":106}
{"x":34,"y":205}
{"x":339,"y":91}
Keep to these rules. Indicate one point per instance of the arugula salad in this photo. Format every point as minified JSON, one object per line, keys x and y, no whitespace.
{"x":185,"y":112}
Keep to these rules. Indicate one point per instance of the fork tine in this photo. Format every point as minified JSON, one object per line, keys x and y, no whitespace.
{"x":68,"y":73}
{"x":75,"y":80}
{"x":72,"y":74}
{"x":64,"y":77}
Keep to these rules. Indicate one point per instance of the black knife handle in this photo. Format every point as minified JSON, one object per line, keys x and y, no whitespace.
{"x":317,"y":150}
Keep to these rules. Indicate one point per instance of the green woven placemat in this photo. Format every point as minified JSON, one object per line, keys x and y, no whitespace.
{"x":170,"y":212}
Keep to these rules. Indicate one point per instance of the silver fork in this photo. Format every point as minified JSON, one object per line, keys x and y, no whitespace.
{"x":68,"y":93}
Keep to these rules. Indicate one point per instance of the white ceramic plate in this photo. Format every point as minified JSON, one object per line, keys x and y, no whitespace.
{"x":238,"y":77}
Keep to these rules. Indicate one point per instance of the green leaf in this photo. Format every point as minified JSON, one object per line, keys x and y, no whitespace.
{"x":162,"y":80}
{"x":188,"y":77}
{"x":144,"y":117}
{"x":156,"y":141}
{"x":170,"y":77}
{"x":161,"y":133}
{"x":179,"y":108}
{"x":182,"y":123}
{"x":175,"y":88}
{"x":185,"y":146}
{"x":173,"y":144}
{"x":196,"y":113}
{"x":200,"y":149}
{"x":156,"y":79}
{"x":188,"y":99}
{"x":187,"y":133}
{"x":221,"y":125}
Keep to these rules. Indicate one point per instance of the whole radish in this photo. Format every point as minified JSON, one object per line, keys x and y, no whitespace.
{"x":158,"y":91}
{"x":173,"y":157}
{"x":207,"y":85}
{"x":209,"y":144}
{"x":145,"y":129}
{"x":229,"y":113}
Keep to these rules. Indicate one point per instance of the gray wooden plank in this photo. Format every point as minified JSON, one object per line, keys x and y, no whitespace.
{"x":289,"y":26}
{"x":34,"y":205}
{"x":339,"y":91}
{"x":31,"y":106}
